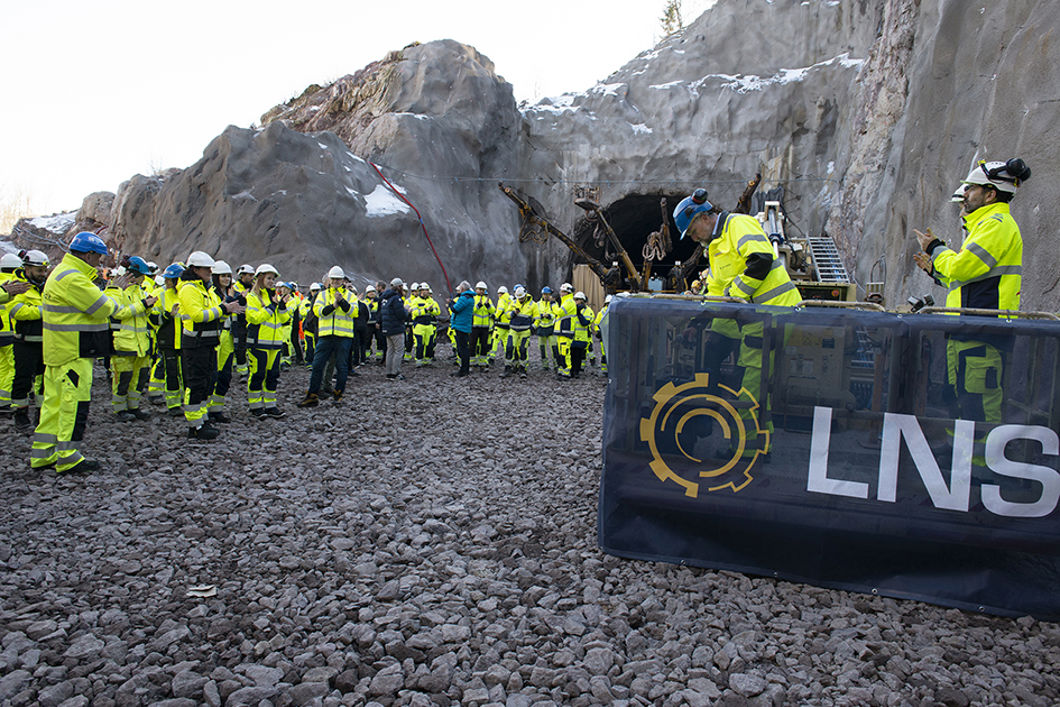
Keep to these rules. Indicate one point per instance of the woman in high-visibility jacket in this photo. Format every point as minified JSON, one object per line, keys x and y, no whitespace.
{"x":165,"y":374}
{"x":268,"y":330}
{"x":27,"y":322}
{"x":545,"y":326}
{"x":482,"y":319}
{"x":226,"y":348}
{"x":518,"y":316}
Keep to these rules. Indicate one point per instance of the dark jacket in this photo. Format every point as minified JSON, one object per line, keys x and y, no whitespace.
{"x":462,"y":308}
{"x":392,"y":314}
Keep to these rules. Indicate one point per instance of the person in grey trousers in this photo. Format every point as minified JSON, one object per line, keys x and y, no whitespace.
{"x":392,"y":318}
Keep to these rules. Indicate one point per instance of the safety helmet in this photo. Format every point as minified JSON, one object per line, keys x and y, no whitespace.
{"x":579,"y":295}
{"x":397,"y":282}
{"x":1003,"y":176}
{"x":502,"y":290}
{"x":566,"y":287}
{"x":173,"y":271}
{"x":689,"y":207}
{"x":316,"y":286}
{"x":370,"y":288}
{"x":519,"y":291}
{"x":546,"y":290}
{"x":152,"y":266}
{"x":481,"y":284}
{"x":245,"y":269}
{"x":199,"y":259}
{"x":264,"y":268}
{"x":414,"y":286}
{"x":336,"y":271}
{"x":139,"y":266}
{"x":607,"y":300}
{"x":425,"y":286}
{"x":222,"y":268}
{"x":160,"y":279}
{"x":35,"y":257}
{"x":10,"y":261}
{"x":88,"y":242}
{"x":958,"y":194}
{"x":283,"y":284}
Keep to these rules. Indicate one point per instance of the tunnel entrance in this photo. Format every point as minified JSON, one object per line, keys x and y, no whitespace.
{"x":633,"y":218}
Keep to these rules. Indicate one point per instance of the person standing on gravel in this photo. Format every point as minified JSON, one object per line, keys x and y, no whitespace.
{"x":76,"y":325}
{"x":334,"y":315}
{"x":462,"y":309}
{"x":392,"y":319}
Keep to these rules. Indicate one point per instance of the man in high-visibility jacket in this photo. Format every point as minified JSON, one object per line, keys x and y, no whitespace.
{"x":519,"y":316}
{"x":9,"y":264}
{"x":130,"y":330}
{"x":742,"y":265}
{"x":581,"y":326}
{"x":334,"y":314}
{"x":26,"y":315}
{"x":545,"y":327}
{"x":76,"y":325}
{"x":499,"y":343}
{"x":565,"y":328}
{"x":482,"y":319}
{"x":985,"y":273}
{"x":425,"y":313}
{"x":201,"y":319}
{"x":165,"y":375}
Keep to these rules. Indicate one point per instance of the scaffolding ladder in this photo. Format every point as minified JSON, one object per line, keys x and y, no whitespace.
{"x":826,"y":260}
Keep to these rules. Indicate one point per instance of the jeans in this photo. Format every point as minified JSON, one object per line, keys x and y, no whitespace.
{"x":326,"y":347}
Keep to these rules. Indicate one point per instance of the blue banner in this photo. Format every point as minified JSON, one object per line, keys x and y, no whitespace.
{"x":906,"y":455}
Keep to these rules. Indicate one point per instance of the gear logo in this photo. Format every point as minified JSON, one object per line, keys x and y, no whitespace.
{"x":736,"y":414}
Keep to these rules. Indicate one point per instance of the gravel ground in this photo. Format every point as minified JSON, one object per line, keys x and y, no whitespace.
{"x":426,"y":541}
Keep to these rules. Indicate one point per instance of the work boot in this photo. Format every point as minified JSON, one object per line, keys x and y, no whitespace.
{"x":311,"y":400}
{"x":522,"y":373}
{"x":273,"y":412}
{"x":218,"y":417}
{"x":175,"y":412}
{"x":258,"y":413}
{"x":85,"y":466}
{"x":22,"y":421}
{"x":507,"y":372}
{"x":338,"y":395}
{"x":126,"y":416}
{"x":140,"y":414}
{"x":204,"y":433}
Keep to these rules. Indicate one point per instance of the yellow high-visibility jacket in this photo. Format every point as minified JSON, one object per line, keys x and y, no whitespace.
{"x":200,"y":314}
{"x":333,"y":320}
{"x":738,"y":238}
{"x":129,"y":326}
{"x":75,"y":313}
{"x":268,"y":322}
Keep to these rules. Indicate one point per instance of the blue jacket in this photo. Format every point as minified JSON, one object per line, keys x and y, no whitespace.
{"x":462,"y":308}
{"x":392,"y":314}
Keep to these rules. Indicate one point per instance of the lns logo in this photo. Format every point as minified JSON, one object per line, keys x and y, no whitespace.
{"x":956,"y":496}
{"x":683,"y":412}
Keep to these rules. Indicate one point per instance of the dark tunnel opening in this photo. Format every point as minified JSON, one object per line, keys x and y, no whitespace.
{"x":633,"y":219}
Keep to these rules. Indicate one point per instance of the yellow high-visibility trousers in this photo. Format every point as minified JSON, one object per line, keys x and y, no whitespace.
{"x":63,"y":414}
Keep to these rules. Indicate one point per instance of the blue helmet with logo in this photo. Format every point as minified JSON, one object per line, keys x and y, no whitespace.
{"x":139,"y":265}
{"x":546,"y":290}
{"x":689,"y":208}
{"x":173,"y":271}
{"x":88,"y":242}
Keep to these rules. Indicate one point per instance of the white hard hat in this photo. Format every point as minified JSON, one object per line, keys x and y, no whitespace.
{"x":370,"y":288}
{"x":160,"y":280}
{"x":425,"y":286}
{"x":1003,"y":176}
{"x":520,"y":291}
{"x":245,"y":269}
{"x":336,"y":271}
{"x":579,"y":295}
{"x":607,"y":300}
{"x":264,"y":268}
{"x":316,"y":286}
{"x":566,"y":287}
{"x":10,"y":260}
{"x":397,"y":282}
{"x":414,"y":286}
{"x":958,"y":193}
{"x":481,"y":284}
{"x":220,"y":268}
{"x":152,"y":266}
{"x":502,"y":290}
{"x":35,"y":257}
{"x":198,"y":259}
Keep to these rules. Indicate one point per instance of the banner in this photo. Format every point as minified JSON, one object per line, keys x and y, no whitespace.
{"x":907,"y":455}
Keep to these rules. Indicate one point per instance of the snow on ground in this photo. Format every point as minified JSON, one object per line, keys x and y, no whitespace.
{"x":58,"y":224}
{"x":382,"y":202}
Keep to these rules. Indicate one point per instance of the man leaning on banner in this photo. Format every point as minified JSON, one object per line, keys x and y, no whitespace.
{"x":742,"y":265}
{"x":985,"y":273}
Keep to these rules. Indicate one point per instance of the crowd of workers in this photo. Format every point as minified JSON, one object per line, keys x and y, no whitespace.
{"x":177,"y":337}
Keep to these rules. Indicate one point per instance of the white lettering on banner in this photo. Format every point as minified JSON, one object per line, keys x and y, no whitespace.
{"x":955,"y":496}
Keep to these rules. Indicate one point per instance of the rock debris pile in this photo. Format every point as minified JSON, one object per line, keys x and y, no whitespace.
{"x":427,"y":541}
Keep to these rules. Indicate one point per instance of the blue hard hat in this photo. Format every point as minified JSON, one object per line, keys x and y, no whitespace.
{"x":688,"y":208}
{"x":88,"y":242}
{"x":173,"y":271}
{"x":139,"y":265}
{"x":546,"y":290}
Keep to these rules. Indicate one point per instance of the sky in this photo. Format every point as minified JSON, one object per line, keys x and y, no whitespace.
{"x":95,"y":92}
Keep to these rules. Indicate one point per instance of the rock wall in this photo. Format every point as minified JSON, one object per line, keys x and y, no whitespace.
{"x":866,"y":113}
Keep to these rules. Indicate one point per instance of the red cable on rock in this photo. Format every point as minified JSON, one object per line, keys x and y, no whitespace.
{"x":448,"y":287}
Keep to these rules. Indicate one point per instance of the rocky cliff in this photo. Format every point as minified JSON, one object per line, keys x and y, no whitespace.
{"x":866,"y":113}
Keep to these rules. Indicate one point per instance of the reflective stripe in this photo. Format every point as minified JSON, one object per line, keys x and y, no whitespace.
{"x":776,"y":291}
{"x":101,"y":326}
{"x":44,"y":438}
{"x":192,"y":334}
{"x":61,"y":309}
{"x":751,"y":238}
{"x":994,"y":272}
{"x":103,"y":299}
{"x":64,"y":273}
{"x":744,"y":287}
{"x":14,"y":308}
{"x":128,"y":327}
{"x":982,"y":253}
{"x":777,"y":264}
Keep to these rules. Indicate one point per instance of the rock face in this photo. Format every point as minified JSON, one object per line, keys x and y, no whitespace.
{"x":867,"y":114}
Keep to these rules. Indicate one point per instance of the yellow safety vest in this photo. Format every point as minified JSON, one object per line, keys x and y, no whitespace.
{"x":75,"y":313}
{"x":200,"y":314}
{"x":129,"y":326}
{"x":267,"y":322}
{"x":336,"y":322}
